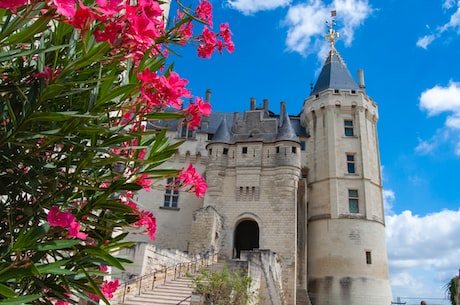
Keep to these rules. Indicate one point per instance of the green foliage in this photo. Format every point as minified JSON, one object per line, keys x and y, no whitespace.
{"x":452,"y":290}
{"x":223,"y":288}
{"x":57,"y":142}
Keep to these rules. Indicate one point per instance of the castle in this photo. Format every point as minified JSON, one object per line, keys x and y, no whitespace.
{"x":307,"y":188}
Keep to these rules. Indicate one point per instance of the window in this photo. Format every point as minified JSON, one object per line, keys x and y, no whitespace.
{"x":171,"y":196}
{"x":277,"y":149}
{"x":351,"y":163}
{"x":368,"y":257}
{"x":294,"y":149}
{"x":302,"y":145}
{"x":244,"y":150}
{"x":185,"y":133}
{"x":348,"y":125}
{"x":353,"y":201}
{"x":225,"y":151}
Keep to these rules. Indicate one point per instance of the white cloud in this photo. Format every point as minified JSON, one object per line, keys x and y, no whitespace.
{"x":426,"y":147}
{"x":306,"y":23}
{"x":425,"y":41}
{"x":423,"y":252}
{"x":448,"y":4}
{"x":440,"y":99}
{"x":249,"y":7}
{"x":388,"y":199}
{"x":452,"y":24}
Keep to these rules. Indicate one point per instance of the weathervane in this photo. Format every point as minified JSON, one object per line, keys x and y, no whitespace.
{"x":332,"y":34}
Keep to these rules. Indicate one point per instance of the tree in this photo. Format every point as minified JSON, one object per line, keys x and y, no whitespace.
{"x":82,"y":82}
{"x":223,"y":288}
{"x":452,"y":290}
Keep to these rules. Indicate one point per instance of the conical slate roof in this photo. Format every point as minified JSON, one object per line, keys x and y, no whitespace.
{"x":222,"y":134}
{"x":334,"y":74}
{"x":285,"y":131}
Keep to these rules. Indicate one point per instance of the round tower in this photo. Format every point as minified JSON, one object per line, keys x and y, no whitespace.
{"x":347,"y":257}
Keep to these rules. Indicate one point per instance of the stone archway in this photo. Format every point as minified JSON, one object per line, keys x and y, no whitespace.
{"x":246,"y":236}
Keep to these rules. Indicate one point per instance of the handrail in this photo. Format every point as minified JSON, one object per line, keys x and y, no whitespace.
{"x":185,"y":299}
{"x":148,"y":280}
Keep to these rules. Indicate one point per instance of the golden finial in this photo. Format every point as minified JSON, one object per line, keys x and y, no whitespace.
{"x":332,"y":34}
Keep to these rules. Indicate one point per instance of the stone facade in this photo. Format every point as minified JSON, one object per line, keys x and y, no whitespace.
{"x":306,"y":188}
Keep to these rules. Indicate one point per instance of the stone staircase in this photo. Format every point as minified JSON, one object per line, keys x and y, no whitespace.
{"x":173,"y":292}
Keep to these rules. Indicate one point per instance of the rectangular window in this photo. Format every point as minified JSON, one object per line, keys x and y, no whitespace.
{"x":353,"y":202}
{"x":277,"y":149}
{"x":245,"y":150}
{"x":225,"y":152}
{"x":348,"y":125}
{"x":186,"y":133}
{"x":294,"y":149}
{"x":368,"y":257}
{"x":171,"y":196}
{"x":302,"y":145}
{"x":351,"y":163}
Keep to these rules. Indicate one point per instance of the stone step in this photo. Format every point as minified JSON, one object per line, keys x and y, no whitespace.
{"x":171,"y":293}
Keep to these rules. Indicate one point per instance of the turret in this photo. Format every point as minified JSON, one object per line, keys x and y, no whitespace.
{"x":347,"y":257}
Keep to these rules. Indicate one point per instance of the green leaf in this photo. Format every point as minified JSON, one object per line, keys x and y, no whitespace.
{"x":54,"y":268}
{"x":38,"y":26}
{"x":56,"y":245}
{"x":27,"y":237}
{"x":20,"y":300}
{"x":98,"y":252}
{"x":164,"y":116}
{"x":7,"y":291}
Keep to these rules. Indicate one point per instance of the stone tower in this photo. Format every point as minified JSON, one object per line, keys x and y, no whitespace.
{"x":347,"y":257}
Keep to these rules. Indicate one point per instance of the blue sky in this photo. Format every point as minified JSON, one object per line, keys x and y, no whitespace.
{"x":409,"y":50}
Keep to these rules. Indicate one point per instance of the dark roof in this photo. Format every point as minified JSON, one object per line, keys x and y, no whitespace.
{"x":334,"y":74}
{"x":285,"y":131}
{"x":214,"y":124}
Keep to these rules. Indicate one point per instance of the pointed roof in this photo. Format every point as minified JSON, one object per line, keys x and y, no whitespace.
{"x":285,"y":131}
{"x":334,"y":74}
{"x":222,"y":134}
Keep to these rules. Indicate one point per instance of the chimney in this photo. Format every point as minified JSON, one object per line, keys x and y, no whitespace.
{"x":253,"y":103}
{"x":361,"y":78}
{"x":208,"y":96}
{"x":266,"y":105}
{"x":236,"y":115}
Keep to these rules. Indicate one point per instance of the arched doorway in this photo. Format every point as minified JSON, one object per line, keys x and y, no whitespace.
{"x":246,"y":236}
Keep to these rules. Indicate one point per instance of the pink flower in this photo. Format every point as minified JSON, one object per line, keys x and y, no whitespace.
{"x":197,"y":183}
{"x":66,"y":8}
{"x":162,"y":91}
{"x":145,"y":183}
{"x":194,"y":111}
{"x":74,"y":231}
{"x":103,"y":268}
{"x":48,"y":74}
{"x":204,"y":11}
{"x":109,"y":7}
{"x":12,"y":4}
{"x":127,"y":197}
{"x":108,"y":288}
{"x":146,"y":219}
{"x":82,"y":18}
{"x":57,"y":218}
